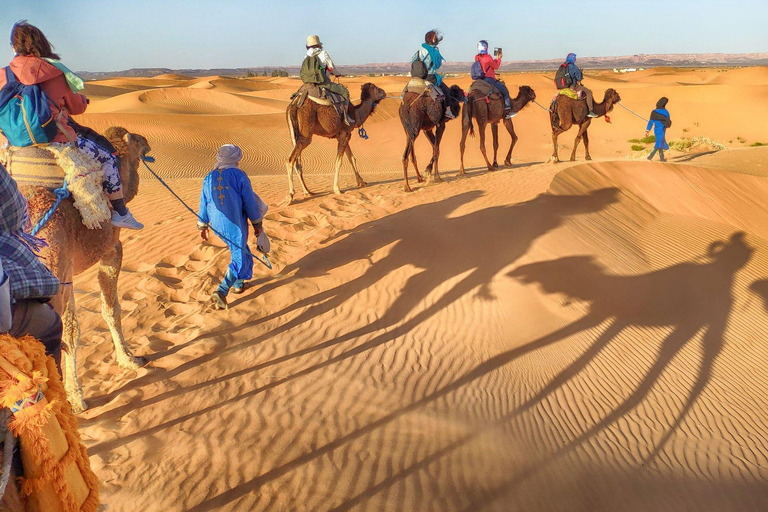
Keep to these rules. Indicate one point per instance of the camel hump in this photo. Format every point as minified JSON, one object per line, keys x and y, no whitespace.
{"x":420,"y":87}
{"x":32,"y":165}
{"x":318,"y":94}
{"x":483,"y":88}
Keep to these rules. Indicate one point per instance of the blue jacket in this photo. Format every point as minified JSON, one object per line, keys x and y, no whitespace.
{"x":575,"y":72}
{"x":658,"y":129}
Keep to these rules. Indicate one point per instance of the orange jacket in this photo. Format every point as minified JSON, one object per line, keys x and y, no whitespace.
{"x":31,"y":70}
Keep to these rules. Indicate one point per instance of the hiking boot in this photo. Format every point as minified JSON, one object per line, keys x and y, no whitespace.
{"x":508,"y":114}
{"x":218,"y":301}
{"x":592,"y":114}
{"x":449,"y":114}
{"x":126,"y":221}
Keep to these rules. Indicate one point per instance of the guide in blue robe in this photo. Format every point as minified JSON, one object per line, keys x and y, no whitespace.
{"x":227,"y":204}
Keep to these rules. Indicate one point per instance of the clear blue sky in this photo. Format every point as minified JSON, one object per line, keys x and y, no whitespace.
{"x":111,"y":35}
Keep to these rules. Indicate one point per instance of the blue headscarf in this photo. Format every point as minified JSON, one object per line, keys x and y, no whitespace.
{"x":434,"y":55}
{"x":571,"y":58}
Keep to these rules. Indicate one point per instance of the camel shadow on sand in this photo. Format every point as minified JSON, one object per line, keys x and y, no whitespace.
{"x":458,"y":246}
{"x":689,"y":297}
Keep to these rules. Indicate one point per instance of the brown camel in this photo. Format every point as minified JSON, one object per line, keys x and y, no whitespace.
{"x":73,"y":248}
{"x":423,"y":113}
{"x":566,"y":112}
{"x":490,"y":109}
{"x":323,"y":120}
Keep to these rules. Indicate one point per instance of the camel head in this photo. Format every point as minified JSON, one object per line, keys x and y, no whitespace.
{"x":130,"y":148}
{"x":611,"y":98}
{"x":369,"y":93}
{"x":527,"y":93}
{"x":733,"y":254}
{"x":457,"y":93}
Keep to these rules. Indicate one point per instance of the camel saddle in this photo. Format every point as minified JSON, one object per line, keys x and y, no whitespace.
{"x":421,"y":87}
{"x":32,"y":165}
{"x":318,"y":94}
{"x":483,"y":88}
{"x":570,"y":93}
{"x":49,"y":166}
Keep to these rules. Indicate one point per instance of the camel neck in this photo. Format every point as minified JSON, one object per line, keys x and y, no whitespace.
{"x":602,"y":108}
{"x":362,"y":111}
{"x":519,"y":102}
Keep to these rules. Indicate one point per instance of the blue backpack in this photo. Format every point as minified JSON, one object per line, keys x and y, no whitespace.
{"x":25,"y":113}
{"x":476,"y":71}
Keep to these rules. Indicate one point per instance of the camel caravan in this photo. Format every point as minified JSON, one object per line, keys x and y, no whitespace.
{"x":428,"y":103}
{"x":64,"y":190}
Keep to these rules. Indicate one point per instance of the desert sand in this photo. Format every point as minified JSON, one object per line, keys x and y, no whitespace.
{"x":584,"y":336}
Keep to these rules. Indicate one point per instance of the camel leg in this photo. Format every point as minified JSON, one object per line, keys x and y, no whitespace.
{"x":408,"y":149}
{"x":463,"y":143}
{"x":579,"y":135}
{"x":481,"y":129}
{"x":341,"y":148}
{"x":511,"y":129}
{"x":419,"y":178}
{"x":495,"y":134}
{"x":586,"y":145}
{"x":69,"y":340}
{"x":109,"y":272}
{"x":431,"y":136}
{"x":555,"y":133}
{"x":436,"y":151}
{"x":299,"y":168}
{"x":353,"y":161}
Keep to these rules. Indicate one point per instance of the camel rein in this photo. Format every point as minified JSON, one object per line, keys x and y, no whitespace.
{"x":633,"y":113}
{"x":264,"y":261}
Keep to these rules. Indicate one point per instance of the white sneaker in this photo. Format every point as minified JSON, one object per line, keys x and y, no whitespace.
{"x":510,"y":115}
{"x":592,"y":114}
{"x":126,"y":221}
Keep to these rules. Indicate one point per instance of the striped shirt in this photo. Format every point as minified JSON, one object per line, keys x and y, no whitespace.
{"x":28,"y":277}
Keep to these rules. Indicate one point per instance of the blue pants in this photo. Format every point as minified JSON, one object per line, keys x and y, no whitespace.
{"x":502,"y":89}
{"x":228,"y":282}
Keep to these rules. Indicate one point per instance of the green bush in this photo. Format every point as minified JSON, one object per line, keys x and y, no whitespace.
{"x":637,"y":147}
{"x":758,"y":144}
{"x":645,"y":140}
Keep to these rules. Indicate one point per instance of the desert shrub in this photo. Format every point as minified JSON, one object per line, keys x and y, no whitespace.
{"x":758,"y":144}
{"x":637,"y":147}
{"x":686,"y":145}
{"x":645,"y":140}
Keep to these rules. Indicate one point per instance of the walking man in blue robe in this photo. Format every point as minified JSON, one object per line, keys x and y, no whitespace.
{"x":227,"y":204}
{"x":659,"y":121}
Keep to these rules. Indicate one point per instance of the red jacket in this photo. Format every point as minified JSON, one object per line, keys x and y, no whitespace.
{"x":31,"y":70}
{"x":489,"y":64}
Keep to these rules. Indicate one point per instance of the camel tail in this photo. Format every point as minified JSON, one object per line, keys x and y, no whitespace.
{"x":292,"y":116}
{"x":467,"y":117}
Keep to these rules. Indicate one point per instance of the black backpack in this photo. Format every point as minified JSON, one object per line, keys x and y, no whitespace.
{"x":562,"y":77}
{"x":418,"y":68}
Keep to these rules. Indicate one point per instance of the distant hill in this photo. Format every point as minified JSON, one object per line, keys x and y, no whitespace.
{"x":627,"y":61}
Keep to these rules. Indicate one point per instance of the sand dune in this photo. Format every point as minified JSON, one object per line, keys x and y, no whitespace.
{"x":567,"y":337}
